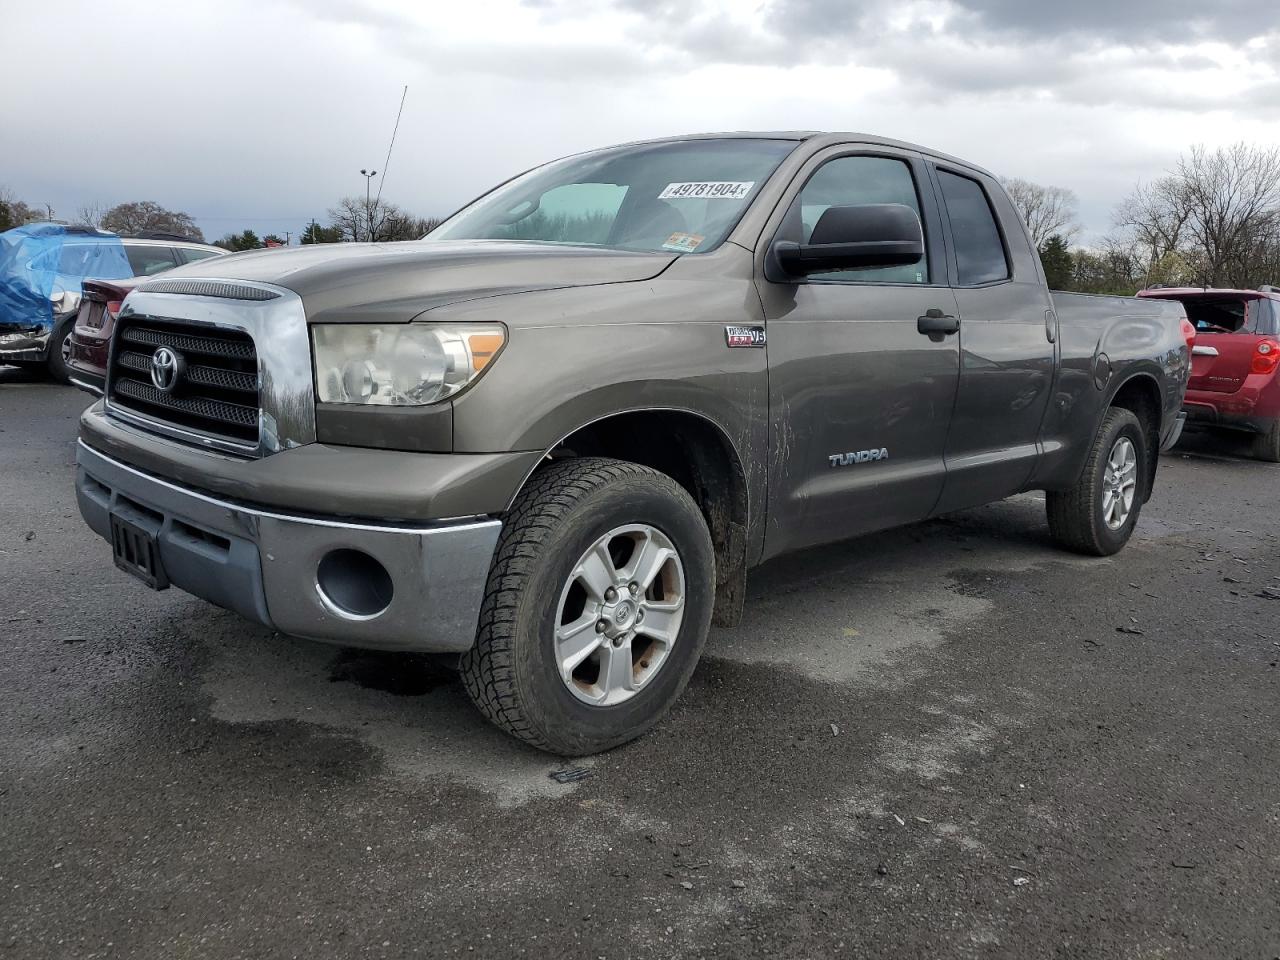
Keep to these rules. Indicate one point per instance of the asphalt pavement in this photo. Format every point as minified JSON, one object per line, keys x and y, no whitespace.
{"x":949,"y":740}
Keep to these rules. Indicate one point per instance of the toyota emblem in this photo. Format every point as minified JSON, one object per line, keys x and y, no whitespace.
{"x":166,"y":369}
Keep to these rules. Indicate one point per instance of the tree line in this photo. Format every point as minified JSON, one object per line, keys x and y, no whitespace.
{"x":1212,"y":220}
{"x":351,"y":219}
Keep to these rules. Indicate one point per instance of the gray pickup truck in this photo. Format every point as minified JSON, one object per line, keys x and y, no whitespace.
{"x":553,"y":436}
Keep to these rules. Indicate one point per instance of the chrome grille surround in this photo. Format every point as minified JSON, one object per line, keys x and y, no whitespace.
{"x":276,"y":323}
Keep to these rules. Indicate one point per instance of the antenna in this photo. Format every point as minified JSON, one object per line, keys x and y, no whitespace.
{"x":387,"y":162}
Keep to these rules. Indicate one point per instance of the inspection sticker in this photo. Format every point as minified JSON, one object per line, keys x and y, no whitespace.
{"x":744,"y":336}
{"x":683,"y":242}
{"x":707,"y":190}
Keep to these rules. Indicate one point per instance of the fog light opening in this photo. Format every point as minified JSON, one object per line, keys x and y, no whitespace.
{"x":353,"y":585}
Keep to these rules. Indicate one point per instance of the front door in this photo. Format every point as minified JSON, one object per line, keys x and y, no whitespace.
{"x":860,"y":401}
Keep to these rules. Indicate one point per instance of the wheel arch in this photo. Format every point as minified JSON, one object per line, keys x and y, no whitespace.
{"x":1140,"y":394}
{"x":699,"y":454}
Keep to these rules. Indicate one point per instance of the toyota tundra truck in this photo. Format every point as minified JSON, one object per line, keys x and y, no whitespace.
{"x":553,"y":436}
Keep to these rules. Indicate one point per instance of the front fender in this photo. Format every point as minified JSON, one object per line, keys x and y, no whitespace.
{"x":554,"y":381}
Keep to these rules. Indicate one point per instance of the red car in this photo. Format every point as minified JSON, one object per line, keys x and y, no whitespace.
{"x":1235,"y":363}
{"x":86,"y":347}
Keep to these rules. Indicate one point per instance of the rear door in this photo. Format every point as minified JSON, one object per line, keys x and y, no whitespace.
{"x":1228,"y":331}
{"x":1007,"y":350}
{"x":859,"y":400}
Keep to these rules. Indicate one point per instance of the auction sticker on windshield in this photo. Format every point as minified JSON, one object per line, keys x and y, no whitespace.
{"x":707,"y":190}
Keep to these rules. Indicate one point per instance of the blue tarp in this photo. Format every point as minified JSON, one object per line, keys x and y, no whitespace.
{"x":42,"y":259}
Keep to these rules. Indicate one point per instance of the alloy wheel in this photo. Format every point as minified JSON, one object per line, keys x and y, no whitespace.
{"x":1119,"y":483}
{"x":619,"y":614}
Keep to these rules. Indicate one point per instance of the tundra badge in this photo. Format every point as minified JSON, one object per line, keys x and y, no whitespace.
{"x":860,"y":456}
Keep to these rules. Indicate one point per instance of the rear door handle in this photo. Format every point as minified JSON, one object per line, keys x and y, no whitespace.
{"x":1204,"y":351}
{"x":935,"y":325}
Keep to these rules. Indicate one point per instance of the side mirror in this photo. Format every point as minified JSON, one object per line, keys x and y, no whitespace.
{"x":846,"y":238}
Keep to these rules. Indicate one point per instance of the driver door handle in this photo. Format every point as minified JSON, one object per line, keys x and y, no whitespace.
{"x":935,"y":325}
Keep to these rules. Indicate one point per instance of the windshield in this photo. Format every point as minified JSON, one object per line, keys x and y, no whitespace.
{"x":681,"y":197}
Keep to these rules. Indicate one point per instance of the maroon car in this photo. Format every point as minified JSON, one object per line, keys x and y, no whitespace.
{"x":86,"y":347}
{"x":1235,"y":363}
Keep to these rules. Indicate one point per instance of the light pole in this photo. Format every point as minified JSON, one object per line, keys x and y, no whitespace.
{"x":368,"y":210}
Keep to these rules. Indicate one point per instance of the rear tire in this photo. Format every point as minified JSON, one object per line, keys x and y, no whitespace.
{"x":1086,"y":518}
{"x":1266,"y":446}
{"x":546,"y":601}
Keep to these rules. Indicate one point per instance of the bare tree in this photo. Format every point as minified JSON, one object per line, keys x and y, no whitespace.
{"x":1151,"y":227}
{"x":1234,"y":195}
{"x":377,"y":221}
{"x":359,"y":221}
{"x":1047,"y":211}
{"x":146,"y":216}
{"x":1155,"y":217}
{"x":1214,"y":220}
{"x":91,"y":214}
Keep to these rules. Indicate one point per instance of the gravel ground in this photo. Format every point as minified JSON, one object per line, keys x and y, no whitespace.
{"x":950,"y":740}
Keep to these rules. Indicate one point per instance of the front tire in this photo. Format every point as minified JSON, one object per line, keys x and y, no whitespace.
{"x":597,"y":607}
{"x":1097,"y":515}
{"x":59,"y":351}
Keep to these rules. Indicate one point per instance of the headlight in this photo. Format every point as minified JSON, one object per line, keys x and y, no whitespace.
{"x":400,"y":364}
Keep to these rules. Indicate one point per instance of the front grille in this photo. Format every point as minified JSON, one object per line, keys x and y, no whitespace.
{"x":216,"y":390}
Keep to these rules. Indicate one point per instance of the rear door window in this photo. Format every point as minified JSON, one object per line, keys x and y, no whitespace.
{"x":980,"y":254}
{"x":147,"y":260}
{"x":191,"y":254}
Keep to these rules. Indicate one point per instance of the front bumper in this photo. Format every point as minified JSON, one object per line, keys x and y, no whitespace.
{"x":26,"y":345}
{"x":266,"y":565}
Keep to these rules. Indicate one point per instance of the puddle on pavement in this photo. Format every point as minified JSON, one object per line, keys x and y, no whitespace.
{"x":413,"y":710}
{"x":399,"y":674}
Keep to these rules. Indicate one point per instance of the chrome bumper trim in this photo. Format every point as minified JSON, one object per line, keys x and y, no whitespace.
{"x":85,"y":386}
{"x":263,"y":564}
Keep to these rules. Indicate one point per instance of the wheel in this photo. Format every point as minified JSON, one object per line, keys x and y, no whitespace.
{"x":1098,"y":514}
{"x":597,"y":607}
{"x":60,"y":351}
{"x":1266,"y":446}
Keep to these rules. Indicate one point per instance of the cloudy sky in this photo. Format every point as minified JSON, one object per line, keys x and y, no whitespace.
{"x":260,"y":113}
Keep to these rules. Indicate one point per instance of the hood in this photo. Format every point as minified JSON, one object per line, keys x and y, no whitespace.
{"x":393,"y":282}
